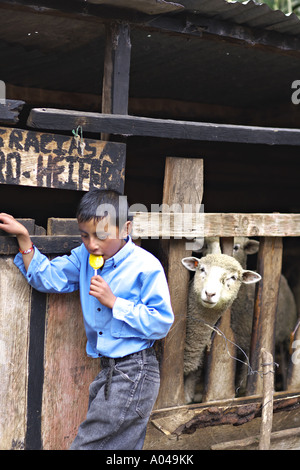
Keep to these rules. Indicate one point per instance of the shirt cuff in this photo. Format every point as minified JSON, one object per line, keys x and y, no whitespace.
{"x":18,"y":261}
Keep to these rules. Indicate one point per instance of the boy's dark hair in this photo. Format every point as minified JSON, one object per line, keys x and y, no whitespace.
{"x":98,"y":203}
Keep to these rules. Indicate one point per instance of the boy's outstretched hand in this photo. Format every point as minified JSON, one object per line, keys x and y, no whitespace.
{"x":101,"y":290}
{"x":10,"y":225}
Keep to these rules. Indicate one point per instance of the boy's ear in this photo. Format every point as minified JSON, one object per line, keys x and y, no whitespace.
{"x":126,"y":229}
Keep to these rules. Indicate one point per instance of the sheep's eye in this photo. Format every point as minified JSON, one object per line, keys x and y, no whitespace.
{"x":234,"y":277}
{"x":202,"y":269}
{"x":236,"y":247}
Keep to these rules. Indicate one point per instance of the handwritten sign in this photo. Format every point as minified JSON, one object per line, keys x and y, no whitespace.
{"x":29,"y":158}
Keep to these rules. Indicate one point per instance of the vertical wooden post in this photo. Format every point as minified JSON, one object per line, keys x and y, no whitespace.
{"x":183,"y":184}
{"x":14,"y":335}
{"x":263,"y":331}
{"x":267,"y":366}
{"x":115,"y":88}
{"x":220,"y":375}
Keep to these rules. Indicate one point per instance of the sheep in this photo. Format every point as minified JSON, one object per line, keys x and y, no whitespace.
{"x":213,"y":289}
{"x":243,"y":307}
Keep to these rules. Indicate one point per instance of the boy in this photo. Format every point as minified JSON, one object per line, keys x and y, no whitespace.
{"x":126,"y":307}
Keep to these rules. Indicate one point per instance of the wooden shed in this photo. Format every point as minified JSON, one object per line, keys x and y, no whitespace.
{"x":189,"y":102}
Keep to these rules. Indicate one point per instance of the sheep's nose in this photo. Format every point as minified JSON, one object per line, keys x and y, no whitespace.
{"x":210,"y":295}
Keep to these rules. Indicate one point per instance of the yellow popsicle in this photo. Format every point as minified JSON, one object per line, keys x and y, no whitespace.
{"x":96,"y":262}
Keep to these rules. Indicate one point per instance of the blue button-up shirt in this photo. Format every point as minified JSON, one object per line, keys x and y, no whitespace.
{"x":142,"y":312}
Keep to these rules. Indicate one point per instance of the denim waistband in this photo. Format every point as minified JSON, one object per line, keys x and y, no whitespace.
{"x":108,"y":361}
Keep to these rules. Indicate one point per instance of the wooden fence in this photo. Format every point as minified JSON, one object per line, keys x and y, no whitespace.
{"x":44,"y":371}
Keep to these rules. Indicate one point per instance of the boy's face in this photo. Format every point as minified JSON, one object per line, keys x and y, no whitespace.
{"x":102,"y":238}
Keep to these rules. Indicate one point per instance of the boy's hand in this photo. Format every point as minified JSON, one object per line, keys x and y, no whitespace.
{"x":101,"y":290}
{"x":11,"y":225}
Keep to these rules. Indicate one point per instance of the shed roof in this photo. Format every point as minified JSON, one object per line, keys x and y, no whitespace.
{"x":196,"y":51}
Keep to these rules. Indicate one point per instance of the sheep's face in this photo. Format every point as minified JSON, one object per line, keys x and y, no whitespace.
{"x":218,"y":279}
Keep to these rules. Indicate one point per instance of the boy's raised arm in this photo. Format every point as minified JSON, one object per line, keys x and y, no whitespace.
{"x":10,"y":225}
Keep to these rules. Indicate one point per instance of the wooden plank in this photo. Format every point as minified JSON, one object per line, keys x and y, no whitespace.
{"x":68,"y":372}
{"x":116,"y":69}
{"x":14,"y":335}
{"x":269,"y":266}
{"x":170,"y":225}
{"x":150,"y":7}
{"x":267,"y":365}
{"x":56,"y":119}
{"x":210,"y":224}
{"x":183,"y":183}
{"x":220,"y":371}
{"x":115,"y":87}
{"x":10,"y":110}
{"x":185,"y":224}
{"x":55,"y":161}
{"x":199,"y":426}
{"x":287,"y":439}
{"x":59,"y":244}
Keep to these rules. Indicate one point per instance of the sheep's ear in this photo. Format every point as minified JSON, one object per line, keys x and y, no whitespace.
{"x":190,"y":263}
{"x":251,"y":247}
{"x":250,"y":277}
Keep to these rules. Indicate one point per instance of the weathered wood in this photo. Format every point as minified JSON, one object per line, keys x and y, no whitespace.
{"x":56,"y":119}
{"x":220,"y":371}
{"x":201,"y":224}
{"x":59,"y":244}
{"x":10,"y":110}
{"x":199,"y":426}
{"x":185,"y":224}
{"x":168,"y":225}
{"x":115,"y":87}
{"x":116,"y":69}
{"x":286,"y":439}
{"x":14,"y":335}
{"x":269,"y":267}
{"x":183,"y":183}
{"x":55,"y":161}
{"x":59,"y":226}
{"x":68,"y":372}
{"x":190,"y":25}
{"x":267,"y":365}
{"x":151,"y":7}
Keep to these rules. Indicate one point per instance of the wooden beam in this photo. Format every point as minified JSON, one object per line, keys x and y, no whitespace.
{"x":157,"y":224}
{"x":30,"y":158}
{"x":10,"y":110}
{"x":116,"y":69}
{"x":115,"y":89}
{"x":267,"y":365}
{"x":15,"y":296}
{"x":59,"y":244}
{"x":269,"y":265}
{"x":183,"y":183}
{"x":56,"y":119}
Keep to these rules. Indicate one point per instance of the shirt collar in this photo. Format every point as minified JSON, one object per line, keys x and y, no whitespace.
{"x":125,"y":251}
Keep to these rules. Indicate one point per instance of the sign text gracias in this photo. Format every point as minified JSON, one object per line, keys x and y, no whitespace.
{"x":55,"y":161}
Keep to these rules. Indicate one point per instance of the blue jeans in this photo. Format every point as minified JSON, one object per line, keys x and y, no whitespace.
{"x":119,"y":421}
